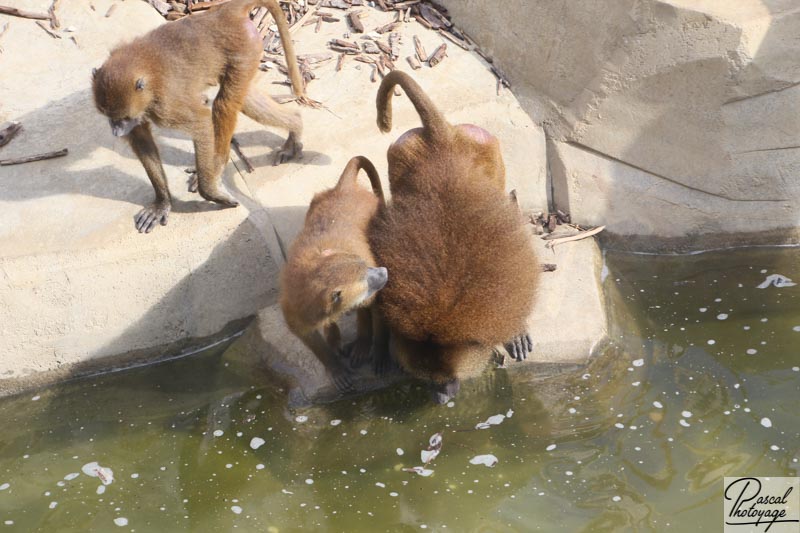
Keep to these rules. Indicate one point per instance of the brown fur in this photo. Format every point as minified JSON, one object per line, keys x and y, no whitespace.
{"x":160,"y":78}
{"x":463,"y":267}
{"x":329,"y":268}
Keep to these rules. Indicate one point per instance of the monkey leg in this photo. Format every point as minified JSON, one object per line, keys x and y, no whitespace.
{"x":360,"y":349}
{"x":209,"y":174}
{"x":520,"y":346}
{"x":144,"y":146}
{"x":382,"y":361}
{"x":444,"y":392}
{"x":264,"y":110}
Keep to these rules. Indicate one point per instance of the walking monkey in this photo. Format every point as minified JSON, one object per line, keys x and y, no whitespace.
{"x":160,"y":77}
{"x":463,"y":268}
{"x":330,"y":270}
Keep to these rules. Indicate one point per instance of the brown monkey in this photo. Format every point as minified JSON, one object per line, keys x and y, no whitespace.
{"x":330,"y":270}
{"x":463,"y":267}
{"x":160,"y":77}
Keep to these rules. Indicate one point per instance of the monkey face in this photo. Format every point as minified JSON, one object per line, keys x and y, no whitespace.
{"x":350,"y":283}
{"x":123,"y":99}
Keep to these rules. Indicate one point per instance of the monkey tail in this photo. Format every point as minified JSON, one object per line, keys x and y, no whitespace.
{"x":432,"y":120}
{"x":350,"y":174}
{"x":298,"y":85}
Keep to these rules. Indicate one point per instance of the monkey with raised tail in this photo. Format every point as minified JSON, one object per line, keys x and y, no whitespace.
{"x":160,"y":78}
{"x":464,"y":272}
{"x":330,"y":270}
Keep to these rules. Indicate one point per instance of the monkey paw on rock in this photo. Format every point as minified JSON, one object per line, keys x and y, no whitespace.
{"x":359,"y":352}
{"x":291,"y":149}
{"x":343,"y":380}
{"x":147,"y":218}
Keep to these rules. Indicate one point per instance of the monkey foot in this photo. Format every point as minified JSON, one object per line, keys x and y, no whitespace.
{"x":444,"y":392}
{"x":290,"y":150}
{"x":221,"y":197}
{"x":147,"y":218}
{"x":382,"y":361}
{"x":520,"y":346}
{"x":342,"y":380}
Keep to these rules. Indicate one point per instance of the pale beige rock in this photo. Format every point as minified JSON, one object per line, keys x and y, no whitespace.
{"x":701,"y":96}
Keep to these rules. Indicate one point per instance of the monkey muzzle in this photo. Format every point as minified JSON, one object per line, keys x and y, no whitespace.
{"x":376,"y":279}
{"x":121,"y":128}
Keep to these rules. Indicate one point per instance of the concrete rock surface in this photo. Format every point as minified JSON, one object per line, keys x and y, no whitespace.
{"x":81,"y":291}
{"x":673,"y":119}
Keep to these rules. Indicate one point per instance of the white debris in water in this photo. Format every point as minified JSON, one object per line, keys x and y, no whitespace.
{"x":722,"y":316}
{"x":381,"y":485}
{"x":638,"y":362}
{"x":568,"y":472}
{"x":796,"y":369}
{"x":796,"y":328}
{"x":36,"y":398}
{"x":509,"y":413}
{"x":752,"y":351}
{"x":766,"y":422}
{"x":239,"y":433}
{"x":286,"y":491}
{"x":5,"y":486}
{"x":236,"y":509}
{"x":572,"y":410}
{"x":684,"y":423}
{"x":53,"y":505}
{"x":93,"y":469}
{"x":428,"y":455}
{"x":363,"y":431}
{"x":616,"y":498}
{"x":9,"y":522}
{"x":620,"y":426}
{"x":451,"y":404}
{"x":309,"y":481}
{"x":257,"y":442}
{"x":658,"y":405}
{"x":491,"y":421}
{"x":774,"y":448}
{"x":229,"y":465}
{"x":300,"y":419}
{"x":686,"y":414}
{"x":703,"y":309}
{"x":218,"y":433}
{"x":712,"y":341}
{"x":486,"y":460}
{"x":393,"y":494}
{"x":586,"y":376}
{"x":259,"y":466}
{"x":421,"y":470}
{"x":551,"y":447}
{"x":101,"y":489}
{"x":400,"y":451}
{"x":134,"y":475}
{"x":121,"y":521}
{"x":636,"y":383}
{"x":336,"y":422}
{"x":71,"y":476}
{"x":777,"y":280}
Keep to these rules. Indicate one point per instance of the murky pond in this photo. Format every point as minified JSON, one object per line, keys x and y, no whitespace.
{"x":701,"y":380}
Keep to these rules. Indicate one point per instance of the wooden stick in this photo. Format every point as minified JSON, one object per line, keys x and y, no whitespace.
{"x":8,"y":131}
{"x":297,"y":25}
{"x":111,"y":10}
{"x":238,"y":149}
{"x":422,"y":56}
{"x":438,"y":55}
{"x":31,"y":158}
{"x":355,"y":21}
{"x":456,"y":40}
{"x":340,"y":62}
{"x":413,"y":62}
{"x":14,"y":12}
{"x":50,"y":32}
{"x":584,"y":234}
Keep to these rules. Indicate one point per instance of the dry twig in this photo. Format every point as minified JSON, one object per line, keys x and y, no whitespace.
{"x":31,"y":158}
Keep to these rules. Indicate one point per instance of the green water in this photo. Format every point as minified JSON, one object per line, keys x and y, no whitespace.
{"x":598,"y":448}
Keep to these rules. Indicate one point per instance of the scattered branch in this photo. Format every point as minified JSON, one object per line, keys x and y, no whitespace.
{"x":31,"y":158}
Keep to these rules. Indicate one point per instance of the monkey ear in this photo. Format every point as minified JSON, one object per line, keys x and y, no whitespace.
{"x":336,"y":297}
{"x":140,"y":84}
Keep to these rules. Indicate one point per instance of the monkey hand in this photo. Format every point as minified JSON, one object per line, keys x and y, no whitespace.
{"x":520,"y":346}
{"x":146,"y":219}
{"x":342,"y":379}
{"x":359,"y":352}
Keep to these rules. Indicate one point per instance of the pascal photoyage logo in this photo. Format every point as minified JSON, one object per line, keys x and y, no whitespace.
{"x":762,"y":504}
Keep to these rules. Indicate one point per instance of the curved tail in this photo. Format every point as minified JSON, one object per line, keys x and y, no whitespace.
{"x":298,"y":86}
{"x":350,"y":174}
{"x":432,"y":120}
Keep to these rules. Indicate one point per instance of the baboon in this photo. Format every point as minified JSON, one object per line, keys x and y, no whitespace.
{"x":330,"y":270}
{"x":463,"y":267}
{"x":160,"y":78}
